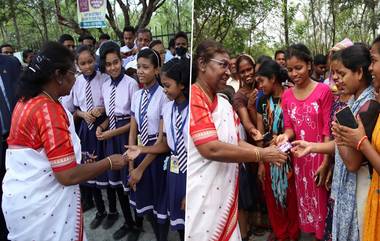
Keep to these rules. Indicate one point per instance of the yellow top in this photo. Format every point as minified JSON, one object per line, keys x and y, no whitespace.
{"x":372,"y":213}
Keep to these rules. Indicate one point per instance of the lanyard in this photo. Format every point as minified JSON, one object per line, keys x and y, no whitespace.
{"x":180,"y":129}
{"x":276,"y":112}
{"x":146,"y":110}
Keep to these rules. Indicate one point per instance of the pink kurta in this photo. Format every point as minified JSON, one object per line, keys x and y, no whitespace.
{"x":309,"y":120}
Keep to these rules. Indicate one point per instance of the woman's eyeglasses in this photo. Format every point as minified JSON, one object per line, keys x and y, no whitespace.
{"x":223,"y":63}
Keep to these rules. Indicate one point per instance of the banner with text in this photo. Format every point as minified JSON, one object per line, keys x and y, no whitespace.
{"x":92,"y":13}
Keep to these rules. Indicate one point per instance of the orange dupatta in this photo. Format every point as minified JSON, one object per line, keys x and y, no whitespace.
{"x":372,"y":213}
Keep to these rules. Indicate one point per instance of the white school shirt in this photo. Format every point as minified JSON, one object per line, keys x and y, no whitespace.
{"x":168,"y":122}
{"x":68,"y":101}
{"x":154,"y":110}
{"x":125,"y":89}
{"x":79,"y":91}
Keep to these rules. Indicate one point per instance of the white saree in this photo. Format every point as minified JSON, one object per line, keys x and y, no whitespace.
{"x":35,"y":205}
{"x":212,"y":186}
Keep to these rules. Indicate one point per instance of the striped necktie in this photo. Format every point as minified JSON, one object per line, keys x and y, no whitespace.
{"x":144,"y":124}
{"x":89,"y":103}
{"x":181,"y":150}
{"x":112,"y":117}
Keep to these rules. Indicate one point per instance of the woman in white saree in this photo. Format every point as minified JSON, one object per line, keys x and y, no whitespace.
{"x":41,"y":198}
{"x":214,"y":151}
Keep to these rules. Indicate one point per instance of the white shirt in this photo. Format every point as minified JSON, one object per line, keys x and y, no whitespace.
{"x":125,"y":89}
{"x":154,"y":110}
{"x":79,"y":91}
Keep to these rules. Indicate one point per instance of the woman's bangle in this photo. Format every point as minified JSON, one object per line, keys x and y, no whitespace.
{"x":109,"y":160}
{"x":258,"y":157}
{"x":361,"y":142}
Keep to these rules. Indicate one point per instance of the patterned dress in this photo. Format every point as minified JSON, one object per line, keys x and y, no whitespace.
{"x":309,"y":119}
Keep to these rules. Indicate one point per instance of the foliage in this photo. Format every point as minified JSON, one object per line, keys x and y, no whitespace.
{"x":29,"y":15}
{"x":220,"y":19}
{"x":258,"y":27}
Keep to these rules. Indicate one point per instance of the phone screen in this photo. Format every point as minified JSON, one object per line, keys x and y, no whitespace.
{"x":346,"y":118}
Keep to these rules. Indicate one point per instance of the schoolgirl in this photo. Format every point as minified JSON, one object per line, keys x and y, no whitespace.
{"x":147,"y":175}
{"x":117,"y":94}
{"x":175,"y":76}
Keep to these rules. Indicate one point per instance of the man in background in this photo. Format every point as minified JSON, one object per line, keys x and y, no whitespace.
{"x":7,"y":49}
{"x":10,"y":69}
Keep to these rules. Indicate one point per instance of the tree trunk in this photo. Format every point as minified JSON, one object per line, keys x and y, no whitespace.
{"x":147,"y":11}
{"x":43,"y":17}
{"x":178,"y":19}
{"x":14,"y":20}
{"x":286,"y":21}
{"x":373,"y":18}
{"x":333,"y":24}
{"x":314,"y":23}
{"x":111,"y":20}
{"x":70,"y":23}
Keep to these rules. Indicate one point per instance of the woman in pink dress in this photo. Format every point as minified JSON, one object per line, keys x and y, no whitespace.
{"x":307,"y":109}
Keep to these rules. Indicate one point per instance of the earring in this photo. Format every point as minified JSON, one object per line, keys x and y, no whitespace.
{"x":203,"y":70}
{"x":60,"y":82}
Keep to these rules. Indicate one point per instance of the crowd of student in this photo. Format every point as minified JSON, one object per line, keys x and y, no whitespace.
{"x":327,"y":186}
{"x":129,"y":107}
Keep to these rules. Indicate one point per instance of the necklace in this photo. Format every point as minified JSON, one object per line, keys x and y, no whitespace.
{"x":203,"y":90}
{"x":47,"y":94}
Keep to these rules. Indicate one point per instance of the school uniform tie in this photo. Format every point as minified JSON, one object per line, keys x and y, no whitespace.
{"x":181,"y":150}
{"x":112,"y":118}
{"x":144,"y":124}
{"x":89,"y":102}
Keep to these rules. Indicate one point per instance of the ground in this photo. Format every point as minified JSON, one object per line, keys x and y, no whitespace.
{"x":100,"y":234}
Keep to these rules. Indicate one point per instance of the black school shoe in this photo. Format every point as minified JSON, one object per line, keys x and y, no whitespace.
{"x":86,"y":206}
{"x":97,"y":220}
{"x":110,"y":220}
{"x":134,"y":234}
{"x":122,"y":231}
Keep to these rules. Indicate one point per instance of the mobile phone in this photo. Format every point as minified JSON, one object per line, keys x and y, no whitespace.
{"x":267,"y":137}
{"x":285,"y":147}
{"x":345,"y":117}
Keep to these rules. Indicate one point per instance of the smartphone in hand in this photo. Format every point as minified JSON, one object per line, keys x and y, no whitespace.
{"x":345,"y":117}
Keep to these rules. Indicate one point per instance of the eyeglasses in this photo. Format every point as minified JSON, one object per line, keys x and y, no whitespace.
{"x":223,"y":63}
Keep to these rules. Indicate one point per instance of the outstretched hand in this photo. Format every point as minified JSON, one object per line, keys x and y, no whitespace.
{"x":133,"y":151}
{"x":301,"y":148}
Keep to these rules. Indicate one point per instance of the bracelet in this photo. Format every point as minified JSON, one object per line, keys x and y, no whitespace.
{"x":361,"y":142}
{"x":258,"y":157}
{"x":109,"y":160}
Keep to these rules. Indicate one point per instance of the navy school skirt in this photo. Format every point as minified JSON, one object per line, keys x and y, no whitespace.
{"x":151,"y":195}
{"x":90,"y":144}
{"x":176,"y":186}
{"x":115,"y":145}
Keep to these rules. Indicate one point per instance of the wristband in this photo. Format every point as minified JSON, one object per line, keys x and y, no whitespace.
{"x":361,"y":142}
{"x":109,"y":160}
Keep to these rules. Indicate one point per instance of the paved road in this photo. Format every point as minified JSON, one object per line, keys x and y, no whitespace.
{"x":100,"y":234}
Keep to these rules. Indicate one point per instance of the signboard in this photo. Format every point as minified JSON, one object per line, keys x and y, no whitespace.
{"x":92,"y":13}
